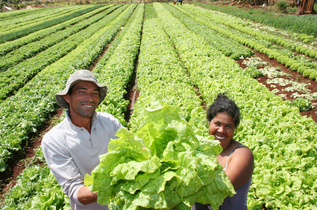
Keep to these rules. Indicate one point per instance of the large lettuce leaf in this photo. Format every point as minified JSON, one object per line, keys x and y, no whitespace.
{"x":163,"y":165}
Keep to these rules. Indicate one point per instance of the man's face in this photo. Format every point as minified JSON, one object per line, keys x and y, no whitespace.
{"x":83,"y":100}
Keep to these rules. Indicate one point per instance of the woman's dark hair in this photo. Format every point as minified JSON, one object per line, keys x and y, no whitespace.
{"x":224,"y":104}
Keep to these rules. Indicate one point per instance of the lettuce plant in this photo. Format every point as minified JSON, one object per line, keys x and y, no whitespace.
{"x":163,"y":165}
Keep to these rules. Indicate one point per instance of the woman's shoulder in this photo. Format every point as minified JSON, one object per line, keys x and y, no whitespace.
{"x":237,"y":146}
{"x":242,"y":151}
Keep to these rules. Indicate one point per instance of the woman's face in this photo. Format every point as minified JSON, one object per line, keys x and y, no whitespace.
{"x":222,"y":127}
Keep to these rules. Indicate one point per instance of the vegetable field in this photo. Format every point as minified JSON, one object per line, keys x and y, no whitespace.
{"x":150,"y":55}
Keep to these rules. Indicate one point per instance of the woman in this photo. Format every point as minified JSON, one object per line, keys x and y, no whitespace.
{"x":237,"y":160}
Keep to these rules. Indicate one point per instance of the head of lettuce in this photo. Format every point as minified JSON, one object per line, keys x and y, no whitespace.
{"x":173,"y":172}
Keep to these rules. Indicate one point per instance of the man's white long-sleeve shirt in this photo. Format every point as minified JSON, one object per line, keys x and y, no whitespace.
{"x":71,"y":152}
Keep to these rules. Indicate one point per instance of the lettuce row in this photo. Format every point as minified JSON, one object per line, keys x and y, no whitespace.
{"x":149,"y":12}
{"x":22,"y":113}
{"x":160,"y":72}
{"x":281,"y":139}
{"x":174,"y":171}
{"x":34,"y":48}
{"x":35,"y":19}
{"x":303,"y":24}
{"x":19,"y":15}
{"x":14,"y":44}
{"x":38,"y":25}
{"x":53,"y":195}
{"x":273,"y":54}
{"x":214,"y":25}
{"x":116,"y":71}
{"x":18,"y":75}
{"x":228,"y":47}
{"x":36,"y":188}
{"x":33,"y":196}
{"x":221,"y":18}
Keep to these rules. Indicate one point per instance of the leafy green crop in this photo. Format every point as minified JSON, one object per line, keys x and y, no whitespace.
{"x":173,"y":171}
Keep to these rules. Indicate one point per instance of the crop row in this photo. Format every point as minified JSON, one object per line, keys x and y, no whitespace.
{"x":39,"y":187}
{"x":117,"y":71}
{"x":234,"y":23}
{"x":284,"y":173}
{"x":18,"y":13}
{"x":33,"y":48}
{"x":288,"y":62}
{"x":16,"y":76}
{"x":15,"y":23}
{"x":22,"y":31}
{"x":161,"y":78}
{"x":283,"y":142}
{"x":22,"y":113}
{"x":9,"y":46}
{"x":36,"y":188}
{"x":228,"y":47}
{"x":304,"y":24}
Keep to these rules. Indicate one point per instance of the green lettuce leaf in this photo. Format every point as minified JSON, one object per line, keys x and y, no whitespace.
{"x":162,"y":165}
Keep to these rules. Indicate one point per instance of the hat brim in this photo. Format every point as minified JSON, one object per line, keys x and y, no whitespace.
{"x":59,"y":96}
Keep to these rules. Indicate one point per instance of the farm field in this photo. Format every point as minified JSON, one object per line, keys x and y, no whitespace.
{"x":150,"y":55}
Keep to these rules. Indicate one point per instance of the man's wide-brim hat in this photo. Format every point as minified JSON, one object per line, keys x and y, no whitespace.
{"x":76,"y":77}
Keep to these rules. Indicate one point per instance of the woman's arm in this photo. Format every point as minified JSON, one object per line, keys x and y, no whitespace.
{"x":240,"y":166}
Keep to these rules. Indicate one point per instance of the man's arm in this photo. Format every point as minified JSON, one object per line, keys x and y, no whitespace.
{"x":64,"y":169}
{"x":85,"y":196}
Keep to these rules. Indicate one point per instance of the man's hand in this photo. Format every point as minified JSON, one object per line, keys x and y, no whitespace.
{"x":85,"y":196}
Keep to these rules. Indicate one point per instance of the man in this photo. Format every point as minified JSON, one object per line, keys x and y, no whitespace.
{"x":72,"y":148}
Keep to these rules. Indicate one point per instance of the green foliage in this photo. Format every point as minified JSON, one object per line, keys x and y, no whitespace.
{"x":302,"y":104}
{"x":20,"y":74}
{"x":149,"y":12}
{"x":117,"y":66}
{"x":308,"y":72}
{"x":175,"y":169}
{"x":282,"y":5}
{"x":304,"y":24}
{"x":295,"y":66}
{"x":289,"y":63}
{"x":14,"y":44}
{"x":313,"y":75}
{"x":301,"y":69}
{"x":253,"y":72}
{"x":33,"y":48}
{"x":304,"y":37}
{"x":273,"y":129}
{"x":268,"y":122}
{"x":36,"y":188}
{"x":38,"y":25}
{"x":29,"y":107}
{"x":208,"y":30}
